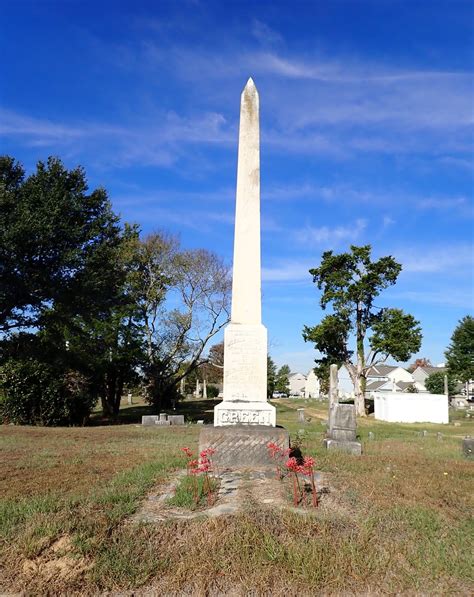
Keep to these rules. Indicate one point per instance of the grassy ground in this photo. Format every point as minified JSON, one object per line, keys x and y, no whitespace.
{"x":401,"y":522}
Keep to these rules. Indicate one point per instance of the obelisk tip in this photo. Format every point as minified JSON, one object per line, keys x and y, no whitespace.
{"x":250,"y":86}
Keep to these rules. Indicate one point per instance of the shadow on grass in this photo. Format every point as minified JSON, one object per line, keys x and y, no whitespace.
{"x":193,"y":410}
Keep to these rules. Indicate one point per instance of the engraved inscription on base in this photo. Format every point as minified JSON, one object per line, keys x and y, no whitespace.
{"x":244,"y":417}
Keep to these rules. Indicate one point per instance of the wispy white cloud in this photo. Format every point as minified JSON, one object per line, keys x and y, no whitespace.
{"x":442,"y":297}
{"x":332,"y":236}
{"x":265,"y":34}
{"x":162,"y":143}
{"x":460,"y":205}
{"x":288,"y":271}
{"x":387,"y":222}
{"x":449,"y":259}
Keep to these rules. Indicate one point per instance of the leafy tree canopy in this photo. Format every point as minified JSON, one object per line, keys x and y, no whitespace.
{"x":435,"y":383}
{"x":350,"y":283}
{"x":57,"y":244}
{"x":282,"y":379}
{"x":271,"y":374}
{"x":460,"y":353}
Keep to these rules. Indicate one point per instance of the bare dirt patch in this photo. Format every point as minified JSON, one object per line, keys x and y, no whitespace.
{"x":238,"y":491}
{"x":56,"y":562}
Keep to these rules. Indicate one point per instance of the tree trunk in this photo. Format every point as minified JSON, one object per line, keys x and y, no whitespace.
{"x":359,"y":399}
{"x":107,"y":411}
{"x":359,"y":386}
{"x":109,"y":395}
{"x":118,"y":394}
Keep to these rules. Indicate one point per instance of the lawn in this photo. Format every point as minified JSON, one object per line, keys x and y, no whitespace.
{"x":401,"y":521}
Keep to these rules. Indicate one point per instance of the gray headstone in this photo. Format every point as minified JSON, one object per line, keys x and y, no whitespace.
{"x":460,"y":403}
{"x":371,"y":435}
{"x":354,"y":448}
{"x":150,"y":419}
{"x":163,"y":423}
{"x":242,"y":445}
{"x":439,"y":436}
{"x":163,"y":417}
{"x":342,"y":422}
{"x":342,"y":429}
{"x":200,"y":422}
{"x":300,"y":415}
{"x":176,"y":419}
{"x":468,"y":447}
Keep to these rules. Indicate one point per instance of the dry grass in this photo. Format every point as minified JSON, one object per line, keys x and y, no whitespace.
{"x":398,"y":519}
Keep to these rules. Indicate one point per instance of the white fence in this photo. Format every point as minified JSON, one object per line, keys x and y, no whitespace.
{"x":400,"y":407}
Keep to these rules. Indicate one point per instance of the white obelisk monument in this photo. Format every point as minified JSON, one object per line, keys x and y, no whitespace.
{"x":245,"y":338}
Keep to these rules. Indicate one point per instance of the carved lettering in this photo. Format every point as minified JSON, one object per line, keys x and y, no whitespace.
{"x":246,"y":417}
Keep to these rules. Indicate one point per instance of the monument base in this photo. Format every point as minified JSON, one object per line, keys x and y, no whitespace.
{"x":240,"y":446}
{"x":244,"y":412}
{"x":354,"y":448}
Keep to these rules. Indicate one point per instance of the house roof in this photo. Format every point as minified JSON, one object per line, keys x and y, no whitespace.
{"x":403,"y":385}
{"x":374,"y":385}
{"x":381,"y":370}
{"x":430,"y":369}
{"x":295,"y":374}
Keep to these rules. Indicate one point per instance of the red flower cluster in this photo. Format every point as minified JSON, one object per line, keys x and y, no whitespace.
{"x":195,"y":466}
{"x":275,"y":450}
{"x":306,"y":469}
{"x":201,"y":465}
{"x":291,"y":465}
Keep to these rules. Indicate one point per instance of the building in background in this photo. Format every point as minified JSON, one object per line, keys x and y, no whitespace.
{"x":296,"y":384}
{"x":312,"y":387}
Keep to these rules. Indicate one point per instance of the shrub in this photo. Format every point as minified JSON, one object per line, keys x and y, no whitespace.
{"x":435,"y":383}
{"x":212,"y":391}
{"x":37,"y":393}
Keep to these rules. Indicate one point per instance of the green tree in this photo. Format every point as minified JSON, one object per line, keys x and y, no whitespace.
{"x":282,"y":382}
{"x":271,"y":373}
{"x":63,"y":298}
{"x":57,"y":245}
{"x":322,"y":372}
{"x":350,"y":283}
{"x":435,"y":383}
{"x":182,"y":298}
{"x":460,"y":353}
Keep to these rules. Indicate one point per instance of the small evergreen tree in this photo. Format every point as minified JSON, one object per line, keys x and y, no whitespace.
{"x":282,"y":383}
{"x":271,"y":372}
{"x":435,"y":383}
{"x":460,"y":353}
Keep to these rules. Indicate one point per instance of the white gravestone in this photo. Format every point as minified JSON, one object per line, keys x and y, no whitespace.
{"x":245,"y":338}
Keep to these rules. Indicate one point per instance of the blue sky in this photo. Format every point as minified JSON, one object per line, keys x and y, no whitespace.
{"x":367,"y":133}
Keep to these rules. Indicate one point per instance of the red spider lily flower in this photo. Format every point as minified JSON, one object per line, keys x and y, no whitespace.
{"x":308,"y":462}
{"x":274,"y":449}
{"x":210,"y":451}
{"x":193,"y":463}
{"x":292,"y":465}
{"x":187,"y":451}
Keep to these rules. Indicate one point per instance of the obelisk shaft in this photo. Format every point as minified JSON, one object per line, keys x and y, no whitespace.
{"x":246,"y":281}
{"x":245,"y":338}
